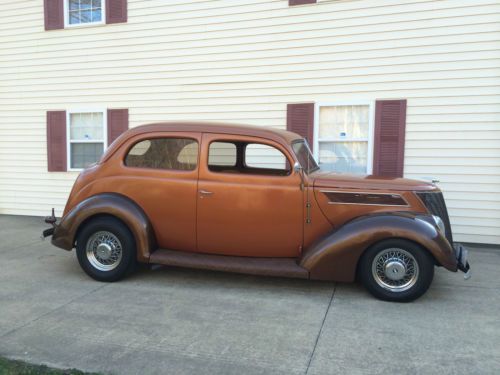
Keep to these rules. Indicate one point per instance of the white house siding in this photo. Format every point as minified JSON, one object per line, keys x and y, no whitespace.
{"x":243,"y":61}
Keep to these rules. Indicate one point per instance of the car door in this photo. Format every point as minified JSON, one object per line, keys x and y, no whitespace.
{"x":249,"y":199}
{"x":159,"y":172}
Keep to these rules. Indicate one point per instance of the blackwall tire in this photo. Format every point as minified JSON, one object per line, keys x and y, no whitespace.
{"x":396,"y":270}
{"x":106,"y":249}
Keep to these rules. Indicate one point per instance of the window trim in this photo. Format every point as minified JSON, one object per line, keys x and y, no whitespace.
{"x":371,"y":129}
{"x":247,"y":142}
{"x":67,"y":25}
{"x":104,"y":140}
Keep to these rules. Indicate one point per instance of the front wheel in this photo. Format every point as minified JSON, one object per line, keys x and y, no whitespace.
{"x":106,"y":249}
{"x":396,"y":270}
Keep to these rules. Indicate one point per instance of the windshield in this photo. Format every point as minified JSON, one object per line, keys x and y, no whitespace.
{"x":304,"y":155}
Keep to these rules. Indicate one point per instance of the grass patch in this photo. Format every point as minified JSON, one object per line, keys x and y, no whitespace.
{"x":10,"y":367}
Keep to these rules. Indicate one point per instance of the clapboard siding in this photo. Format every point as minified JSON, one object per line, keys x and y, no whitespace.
{"x":244,"y":61}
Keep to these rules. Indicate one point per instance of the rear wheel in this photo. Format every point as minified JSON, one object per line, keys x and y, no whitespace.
{"x":106,"y":249}
{"x":396,"y":270}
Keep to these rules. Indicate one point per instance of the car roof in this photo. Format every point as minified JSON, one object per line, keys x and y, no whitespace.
{"x":214,"y":127}
{"x":279,"y":135}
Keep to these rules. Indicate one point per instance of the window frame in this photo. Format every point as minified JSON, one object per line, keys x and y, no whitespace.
{"x":86,"y":24}
{"x":104,"y":140}
{"x":148,"y":137}
{"x":289,"y":160}
{"x":371,"y":129}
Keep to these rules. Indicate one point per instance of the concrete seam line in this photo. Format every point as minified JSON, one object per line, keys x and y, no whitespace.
{"x":321,"y":329}
{"x":51,"y":311}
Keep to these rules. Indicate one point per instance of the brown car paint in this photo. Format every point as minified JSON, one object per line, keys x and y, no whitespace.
{"x":248,"y":215}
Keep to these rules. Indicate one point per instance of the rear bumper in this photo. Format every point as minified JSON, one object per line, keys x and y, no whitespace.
{"x":462,"y":255}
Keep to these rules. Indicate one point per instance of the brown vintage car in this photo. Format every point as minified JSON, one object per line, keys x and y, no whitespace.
{"x":252,"y":200}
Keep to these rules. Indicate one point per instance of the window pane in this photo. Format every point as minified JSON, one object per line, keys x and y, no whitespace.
{"x":222,"y":154}
{"x":84,"y":11}
{"x":85,"y":16}
{"x":85,"y":4}
{"x":304,"y":156}
{"x":347,"y":157}
{"x":264,"y":156}
{"x":86,"y":126}
{"x":96,"y":15}
{"x":164,"y":153}
{"x":74,"y":17}
{"x":84,"y":154}
{"x":74,"y":4}
{"x":348,"y":122}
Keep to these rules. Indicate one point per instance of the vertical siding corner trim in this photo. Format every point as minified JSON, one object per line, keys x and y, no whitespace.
{"x":300,"y":120}
{"x":389,"y":145}
{"x":53,"y":14}
{"x":56,"y":141}
{"x":116,"y":11}
{"x":117,"y":123}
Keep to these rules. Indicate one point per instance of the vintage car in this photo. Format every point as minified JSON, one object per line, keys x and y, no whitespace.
{"x":252,"y":200}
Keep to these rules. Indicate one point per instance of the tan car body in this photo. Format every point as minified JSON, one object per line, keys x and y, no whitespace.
{"x":257,"y":224}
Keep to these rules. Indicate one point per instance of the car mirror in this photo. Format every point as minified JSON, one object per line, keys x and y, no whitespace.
{"x":297,"y":168}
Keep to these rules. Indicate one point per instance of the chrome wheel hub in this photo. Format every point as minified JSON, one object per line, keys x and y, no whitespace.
{"x":104,"y":251}
{"x":395,"y":269}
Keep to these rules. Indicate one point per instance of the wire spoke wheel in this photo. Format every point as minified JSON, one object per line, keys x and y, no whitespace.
{"x":104,"y":251}
{"x":395,"y":269}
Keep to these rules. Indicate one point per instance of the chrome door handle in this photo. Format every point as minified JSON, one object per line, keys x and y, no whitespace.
{"x":205,"y":192}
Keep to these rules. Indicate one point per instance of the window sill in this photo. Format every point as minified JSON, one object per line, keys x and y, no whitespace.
{"x":83,"y":25}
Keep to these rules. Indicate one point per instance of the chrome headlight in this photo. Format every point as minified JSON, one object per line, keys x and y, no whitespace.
{"x":439,"y":223}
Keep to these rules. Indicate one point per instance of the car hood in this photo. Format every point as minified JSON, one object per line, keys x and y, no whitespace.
{"x":368,"y":182}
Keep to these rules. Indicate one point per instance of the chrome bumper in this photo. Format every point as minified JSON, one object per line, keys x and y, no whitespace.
{"x":462,"y":255}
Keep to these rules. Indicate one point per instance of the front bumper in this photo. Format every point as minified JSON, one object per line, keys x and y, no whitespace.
{"x":52,"y":221}
{"x":462,"y":255}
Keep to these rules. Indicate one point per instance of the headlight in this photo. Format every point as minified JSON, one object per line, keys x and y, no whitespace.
{"x":439,"y":223}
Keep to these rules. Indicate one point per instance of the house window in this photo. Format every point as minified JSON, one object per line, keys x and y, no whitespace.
{"x":87,"y":135}
{"x":82,"y":12}
{"x":344,"y":137}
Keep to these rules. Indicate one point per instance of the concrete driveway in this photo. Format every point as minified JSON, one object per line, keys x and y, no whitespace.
{"x":177,"y":321}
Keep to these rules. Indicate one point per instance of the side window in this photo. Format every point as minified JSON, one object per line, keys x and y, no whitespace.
{"x":222,"y":156}
{"x":247,"y":158}
{"x":264,"y":157}
{"x":164,"y":153}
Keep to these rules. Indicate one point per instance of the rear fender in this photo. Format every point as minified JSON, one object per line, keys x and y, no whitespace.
{"x":110,"y":204}
{"x":336,"y":256}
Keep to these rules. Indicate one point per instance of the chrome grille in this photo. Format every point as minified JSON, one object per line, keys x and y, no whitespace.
{"x":436,"y":205}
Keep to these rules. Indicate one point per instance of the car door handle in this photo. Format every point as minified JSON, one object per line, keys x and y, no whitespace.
{"x":205,"y":193}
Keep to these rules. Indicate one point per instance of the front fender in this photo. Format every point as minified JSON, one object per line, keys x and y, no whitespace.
{"x":336,"y":256}
{"x":111,"y":204}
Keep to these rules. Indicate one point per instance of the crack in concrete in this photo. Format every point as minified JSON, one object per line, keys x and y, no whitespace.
{"x":321,"y":329}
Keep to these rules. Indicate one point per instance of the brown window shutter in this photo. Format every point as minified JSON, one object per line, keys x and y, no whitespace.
{"x":300,"y":120}
{"x":389,"y":147}
{"x":116,"y":11}
{"x":54,"y":14}
{"x":56,"y":141}
{"x":117,"y":123}
{"x":300,"y":2}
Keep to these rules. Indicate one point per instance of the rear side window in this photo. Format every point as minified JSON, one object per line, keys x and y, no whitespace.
{"x":164,"y":153}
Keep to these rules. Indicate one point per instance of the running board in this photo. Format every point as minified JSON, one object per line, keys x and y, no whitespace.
{"x":280,"y":267}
